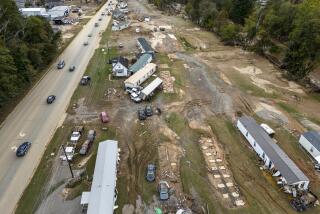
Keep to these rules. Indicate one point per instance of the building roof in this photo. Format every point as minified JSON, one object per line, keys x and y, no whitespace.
{"x":101,"y":198}
{"x":145,"y":45}
{"x":281,"y":161}
{"x":142,"y":72}
{"x":152,"y":86}
{"x":140,"y":63}
{"x":314,"y":138}
{"x":33,"y":9}
{"x":122,"y":60}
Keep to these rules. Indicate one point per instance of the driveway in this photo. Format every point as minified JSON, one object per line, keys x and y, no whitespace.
{"x":36,"y":121}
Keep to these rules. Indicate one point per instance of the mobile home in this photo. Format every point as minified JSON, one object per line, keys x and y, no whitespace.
{"x":139,"y":77}
{"x":272,"y":155}
{"x":310,"y":141}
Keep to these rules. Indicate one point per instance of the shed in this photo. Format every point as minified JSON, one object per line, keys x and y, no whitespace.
{"x":310,"y":141}
{"x":139,"y":77}
{"x":140,"y":63}
{"x":149,"y":89}
{"x":39,"y":11}
{"x":101,"y":198}
{"x":120,"y":66}
{"x":273,"y":156}
{"x":145,"y":46}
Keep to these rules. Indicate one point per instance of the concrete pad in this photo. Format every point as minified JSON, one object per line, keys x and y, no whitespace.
{"x":214,"y":168}
{"x":226,"y":176}
{"x":216,"y":176}
{"x":235,"y":194}
{"x":218,"y":160}
{"x":225,"y":195}
{"x":222,"y":167}
{"x":239,"y":203}
{"x":204,"y":147}
{"x":229,"y":184}
{"x":221,"y":186}
{"x":208,"y":154}
{"x":212,"y":161}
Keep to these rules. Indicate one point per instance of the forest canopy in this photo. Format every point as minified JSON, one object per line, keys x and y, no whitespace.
{"x":27,"y":46}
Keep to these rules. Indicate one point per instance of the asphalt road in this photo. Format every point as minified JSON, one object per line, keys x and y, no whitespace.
{"x":36,"y":121}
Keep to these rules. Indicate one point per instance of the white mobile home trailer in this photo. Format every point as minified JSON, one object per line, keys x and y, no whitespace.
{"x":272,"y":155}
{"x":140,"y":76}
{"x":148,"y":91}
{"x":310,"y":141}
{"x":101,"y":199}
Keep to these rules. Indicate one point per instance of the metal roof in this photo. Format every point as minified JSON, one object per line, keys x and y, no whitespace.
{"x":142,"y":72}
{"x":152,"y":86}
{"x":281,"y":161}
{"x":145,"y":45}
{"x":101,"y":198}
{"x":314,"y":138}
{"x":140,"y":63}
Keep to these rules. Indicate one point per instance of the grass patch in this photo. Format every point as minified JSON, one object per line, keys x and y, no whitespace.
{"x":187,"y":45}
{"x":244,"y":83}
{"x":175,"y":122}
{"x":288,"y":108}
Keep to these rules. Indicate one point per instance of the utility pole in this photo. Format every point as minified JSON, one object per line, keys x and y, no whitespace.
{"x":64,"y":151}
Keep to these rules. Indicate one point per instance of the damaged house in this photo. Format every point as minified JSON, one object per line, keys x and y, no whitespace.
{"x":310,"y":141}
{"x":120,"y":67}
{"x":272,"y":155}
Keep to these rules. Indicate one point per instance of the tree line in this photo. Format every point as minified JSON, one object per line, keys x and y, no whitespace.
{"x":288,"y":29}
{"x":27,"y":46}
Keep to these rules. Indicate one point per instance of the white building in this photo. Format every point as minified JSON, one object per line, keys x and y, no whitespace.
{"x":120,"y":67}
{"x":310,"y":141}
{"x":149,"y":89}
{"x":102,"y":197}
{"x":34,"y":12}
{"x":272,"y":155}
{"x":140,"y":76}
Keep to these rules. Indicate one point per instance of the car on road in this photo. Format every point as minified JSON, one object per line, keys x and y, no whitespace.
{"x":91,"y":135}
{"x":148,"y":110}
{"x":85,"y":43}
{"x":163,"y":189}
{"x":23,"y":149}
{"x":90,"y":35}
{"x":96,"y":24}
{"x":72,"y":68}
{"x":100,"y":19}
{"x":85,"y":80}
{"x":141,"y":114}
{"x":151,"y":172}
{"x":103,"y":13}
{"x":61,"y":64}
{"x":50,"y":99}
{"x":85,"y":147}
{"x":104,"y":117}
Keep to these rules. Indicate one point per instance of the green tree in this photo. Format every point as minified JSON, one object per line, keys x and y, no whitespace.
{"x":240,"y":10}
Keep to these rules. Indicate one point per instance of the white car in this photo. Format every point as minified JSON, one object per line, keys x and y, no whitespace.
{"x":75,"y":136}
{"x":70,"y":153}
{"x":135,"y":97}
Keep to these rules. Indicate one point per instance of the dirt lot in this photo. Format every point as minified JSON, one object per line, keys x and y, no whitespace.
{"x":194,"y":144}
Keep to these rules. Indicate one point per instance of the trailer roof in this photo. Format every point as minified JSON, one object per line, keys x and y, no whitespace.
{"x":141,"y":62}
{"x":314,"y":138}
{"x":139,"y":74}
{"x":101,"y":198}
{"x":152,"y":86}
{"x":278,"y":157}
